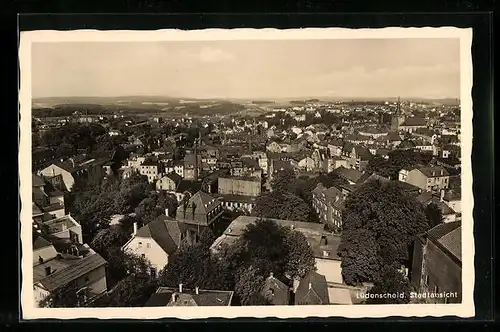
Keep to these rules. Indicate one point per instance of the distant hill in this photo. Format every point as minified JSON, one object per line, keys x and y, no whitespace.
{"x":166,"y":103}
{"x":103,"y":106}
{"x":262,"y":102}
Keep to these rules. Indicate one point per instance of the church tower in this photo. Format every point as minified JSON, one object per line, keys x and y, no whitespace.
{"x":398,"y":118}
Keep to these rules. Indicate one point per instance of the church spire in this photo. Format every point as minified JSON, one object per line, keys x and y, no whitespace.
{"x":398,"y":109}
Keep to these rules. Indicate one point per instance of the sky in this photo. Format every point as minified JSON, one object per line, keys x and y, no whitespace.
{"x":370,"y":68}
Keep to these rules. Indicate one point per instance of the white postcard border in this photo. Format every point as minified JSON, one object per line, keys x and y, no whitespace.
{"x":465,"y":309}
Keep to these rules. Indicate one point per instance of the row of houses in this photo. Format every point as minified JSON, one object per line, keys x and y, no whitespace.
{"x":427,"y":184}
{"x":60,"y":258}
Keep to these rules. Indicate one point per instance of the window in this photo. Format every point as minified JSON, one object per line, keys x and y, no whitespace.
{"x":148,"y":245}
{"x":140,"y":244}
{"x":143,"y":256}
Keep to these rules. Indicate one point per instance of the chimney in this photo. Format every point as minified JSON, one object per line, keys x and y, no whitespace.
{"x":135,"y":229}
{"x":442,"y":195}
{"x":174,"y":297}
{"x":271,"y":275}
{"x":166,"y":212}
{"x":47,"y":271}
{"x":197,"y":290}
{"x":310,"y":285}
{"x":180,"y":288}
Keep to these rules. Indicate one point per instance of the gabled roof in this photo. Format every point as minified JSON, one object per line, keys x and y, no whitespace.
{"x":349,"y":174}
{"x":163,"y":297}
{"x":449,"y":235}
{"x":190,"y":186}
{"x":37,"y":181}
{"x":165,"y":231}
{"x":366,"y":177}
{"x":203,"y":202}
{"x":393,"y":137}
{"x":425,"y":132}
{"x":414,"y":122}
{"x":436,"y":171}
{"x":176,"y":178}
{"x":250,"y":162}
{"x":77,"y":269}
{"x":312,"y":290}
{"x":39,"y":241}
{"x":363,"y":153}
{"x":275,"y":291}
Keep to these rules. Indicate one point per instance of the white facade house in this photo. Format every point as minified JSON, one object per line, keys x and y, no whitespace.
{"x":157,"y":240}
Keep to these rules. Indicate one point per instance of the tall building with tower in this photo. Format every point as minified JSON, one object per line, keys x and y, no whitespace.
{"x":398,"y":117}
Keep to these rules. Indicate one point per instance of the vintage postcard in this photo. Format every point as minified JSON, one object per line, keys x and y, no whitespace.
{"x":247,"y":173}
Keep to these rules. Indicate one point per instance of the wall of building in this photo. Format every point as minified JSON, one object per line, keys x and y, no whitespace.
{"x":165,"y":183}
{"x":442,"y":272}
{"x":154,"y":253}
{"x":232,"y":186}
{"x":64,"y":234}
{"x":39,"y":294}
{"x":95,"y":280}
{"x":417,"y":261}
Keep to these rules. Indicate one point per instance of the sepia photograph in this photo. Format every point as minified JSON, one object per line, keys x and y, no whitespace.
{"x":276,"y":173}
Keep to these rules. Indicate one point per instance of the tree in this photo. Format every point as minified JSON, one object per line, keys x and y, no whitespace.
{"x":379,"y":217}
{"x":300,"y":257}
{"x":154,"y":205}
{"x":265,"y":246}
{"x":331,"y":179}
{"x":93,"y":211}
{"x":193,"y":266}
{"x":281,"y":180}
{"x":390,"y":281}
{"x":132,"y":291}
{"x":380,"y":166}
{"x":281,"y":205}
{"x":359,"y":252}
{"x":434,"y":214}
{"x":63,"y":297}
{"x":122,"y":264}
{"x":249,"y":285}
{"x":398,"y":159}
{"x":132,"y":191}
{"x":113,"y":236}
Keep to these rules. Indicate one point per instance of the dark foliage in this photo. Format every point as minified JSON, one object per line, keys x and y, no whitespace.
{"x":379,"y":218}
